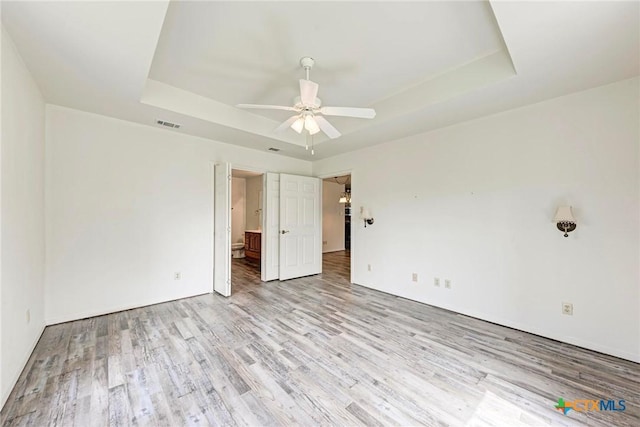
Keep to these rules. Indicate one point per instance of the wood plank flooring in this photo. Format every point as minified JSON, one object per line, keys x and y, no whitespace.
{"x":245,"y":275}
{"x":310,"y":351}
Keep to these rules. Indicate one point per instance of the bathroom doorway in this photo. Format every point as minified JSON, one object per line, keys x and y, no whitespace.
{"x":246,"y":229}
{"x":336,"y":225}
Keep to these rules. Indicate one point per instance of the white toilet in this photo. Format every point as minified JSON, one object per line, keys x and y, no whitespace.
{"x":237,"y":250}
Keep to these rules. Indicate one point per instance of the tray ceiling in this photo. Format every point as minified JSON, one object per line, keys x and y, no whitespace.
{"x":421,"y":65}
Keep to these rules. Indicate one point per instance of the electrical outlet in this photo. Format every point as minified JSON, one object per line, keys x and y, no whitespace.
{"x":436,"y":281}
{"x":368,"y":267}
{"x":28,"y":315}
{"x":447,"y":283}
{"x":567,"y":308}
{"x":414,"y":277}
{"x":177,"y":275}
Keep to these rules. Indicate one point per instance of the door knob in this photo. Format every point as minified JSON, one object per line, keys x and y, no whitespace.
{"x":284,"y":231}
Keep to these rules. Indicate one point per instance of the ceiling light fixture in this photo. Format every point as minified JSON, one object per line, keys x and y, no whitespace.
{"x":298,"y":125}
{"x":345,"y":196}
{"x":310,"y":125}
{"x":308,"y":109}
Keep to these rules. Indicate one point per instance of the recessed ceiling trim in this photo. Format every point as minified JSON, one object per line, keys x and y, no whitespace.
{"x":484,"y":71}
{"x":473,"y":75}
{"x":171,"y":98}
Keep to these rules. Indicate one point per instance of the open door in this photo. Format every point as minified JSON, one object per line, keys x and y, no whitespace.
{"x":270,"y":227}
{"x":300,"y":226}
{"x":222,"y":229}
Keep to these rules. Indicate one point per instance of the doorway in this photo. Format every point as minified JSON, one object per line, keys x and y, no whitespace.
{"x":246,"y":229}
{"x":289,"y":230}
{"x":336,"y":224}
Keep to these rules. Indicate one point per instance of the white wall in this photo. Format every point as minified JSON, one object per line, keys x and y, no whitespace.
{"x":238,"y":209}
{"x":254,"y":194}
{"x":127,"y":206}
{"x":22,"y":216}
{"x":332,"y":217}
{"x":473,"y":203}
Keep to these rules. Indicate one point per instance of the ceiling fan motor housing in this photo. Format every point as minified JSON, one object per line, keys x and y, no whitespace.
{"x":307,"y":62}
{"x":297,"y":103}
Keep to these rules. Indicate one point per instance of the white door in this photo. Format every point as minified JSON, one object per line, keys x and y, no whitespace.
{"x":222,"y":229}
{"x":300,"y":226}
{"x":270,"y":227}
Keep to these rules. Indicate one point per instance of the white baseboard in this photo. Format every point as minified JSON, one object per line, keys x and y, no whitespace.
{"x":109,"y":310}
{"x":16,"y":375}
{"x":589,"y":345}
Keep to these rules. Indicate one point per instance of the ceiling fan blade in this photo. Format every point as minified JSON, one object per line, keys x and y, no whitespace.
{"x":308,"y":92}
{"x":327,"y":127}
{"x":266,"y":107}
{"x":287,"y":123}
{"x":361,"y":113}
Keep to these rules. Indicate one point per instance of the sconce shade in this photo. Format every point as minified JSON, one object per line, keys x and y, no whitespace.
{"x":564,"y":220}
{"x":564,"y":214}
{"x":366,"y":216}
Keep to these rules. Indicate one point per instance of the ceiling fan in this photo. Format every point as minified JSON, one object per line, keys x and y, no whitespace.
{"x":309,"y":114}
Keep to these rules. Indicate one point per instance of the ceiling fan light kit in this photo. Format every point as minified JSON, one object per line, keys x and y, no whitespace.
{"x":309,"y":113}
{"x":311,"y":125}
{"x":298,"y":124}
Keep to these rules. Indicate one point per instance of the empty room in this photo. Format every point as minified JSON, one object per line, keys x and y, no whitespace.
{"x":280,"y":213}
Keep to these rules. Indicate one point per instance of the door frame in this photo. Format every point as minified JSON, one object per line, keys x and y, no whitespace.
{"x":232,"y":166}
{"x":353,"y":223}
{"x":221,"y":213}
{"x":270,"y":210}
{"x":264,"y":249}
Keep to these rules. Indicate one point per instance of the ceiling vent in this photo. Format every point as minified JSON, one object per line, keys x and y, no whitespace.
{"x":274,"y":149}
{"x":168,"y":124}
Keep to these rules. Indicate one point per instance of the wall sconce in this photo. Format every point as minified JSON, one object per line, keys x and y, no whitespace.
{"x":366,"y":216}
{"x":564,"y":220}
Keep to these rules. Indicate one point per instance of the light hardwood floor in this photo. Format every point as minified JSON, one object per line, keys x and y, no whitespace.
{"x":245,"y":275}
{"x":311,"y":351}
